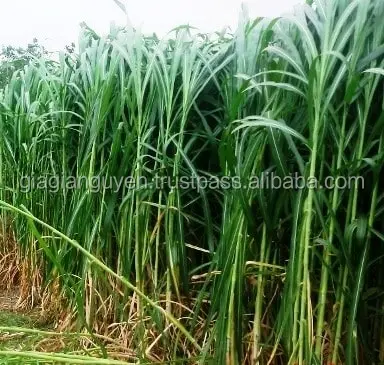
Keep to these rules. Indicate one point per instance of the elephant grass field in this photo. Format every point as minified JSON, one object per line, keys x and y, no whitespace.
{"x":175,"y":274}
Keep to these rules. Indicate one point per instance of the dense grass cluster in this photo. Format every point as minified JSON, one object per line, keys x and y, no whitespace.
{"x":222,"y":276}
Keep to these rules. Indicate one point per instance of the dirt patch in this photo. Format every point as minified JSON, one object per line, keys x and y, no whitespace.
{"x":9,"y":299}
{"x":14,"y":320}
{"x":10,"y":303}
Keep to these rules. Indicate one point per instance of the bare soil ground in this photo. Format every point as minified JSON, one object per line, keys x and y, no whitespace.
{"x":14,"y":321}
{"x":12,"y":316}
{"x":8,"y":299}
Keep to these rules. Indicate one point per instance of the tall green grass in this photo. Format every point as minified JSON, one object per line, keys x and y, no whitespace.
{"x":227,"y":276}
